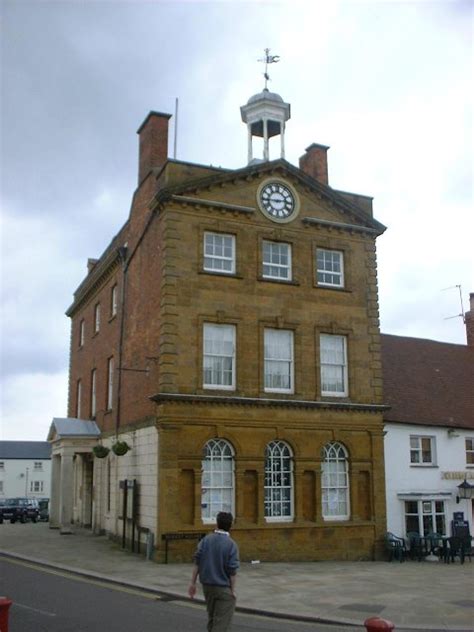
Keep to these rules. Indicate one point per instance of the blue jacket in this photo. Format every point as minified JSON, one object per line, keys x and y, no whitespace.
{"x":217,"y":557}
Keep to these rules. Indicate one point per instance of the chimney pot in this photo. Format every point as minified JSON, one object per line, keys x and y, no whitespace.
{"x":91,"y":263}
{"x":315,"y":162}
{"x":153,"y":143}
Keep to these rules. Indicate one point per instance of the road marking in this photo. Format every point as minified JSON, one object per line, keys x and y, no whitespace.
{"x":85,"y":580}
{"x":45,"y":612}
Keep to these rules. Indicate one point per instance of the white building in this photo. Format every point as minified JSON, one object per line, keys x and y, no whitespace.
{"x":429,"y":440}
{"x":25,"y":469}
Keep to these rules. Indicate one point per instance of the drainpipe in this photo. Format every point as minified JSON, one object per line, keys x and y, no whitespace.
{"x":122,"y":252}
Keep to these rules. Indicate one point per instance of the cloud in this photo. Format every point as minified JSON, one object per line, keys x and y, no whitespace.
{"x":22,"y":421}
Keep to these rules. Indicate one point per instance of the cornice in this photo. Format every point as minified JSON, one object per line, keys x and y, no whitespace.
{"x":355,"y":228}
{"x":182,"y":398}
{"x":94,"y":280}
{"x":279,"y":165}
{"x":184,"y":199}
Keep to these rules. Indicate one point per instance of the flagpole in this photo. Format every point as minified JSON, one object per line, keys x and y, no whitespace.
{"x":175,"y":128}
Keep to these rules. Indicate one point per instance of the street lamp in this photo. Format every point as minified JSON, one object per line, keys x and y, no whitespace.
{"x":465,"y":491}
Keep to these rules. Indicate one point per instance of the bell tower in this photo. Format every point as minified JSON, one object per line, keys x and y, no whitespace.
{"x":265,"y":115}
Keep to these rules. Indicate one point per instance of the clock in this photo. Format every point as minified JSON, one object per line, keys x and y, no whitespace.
{"x":277,"y":200}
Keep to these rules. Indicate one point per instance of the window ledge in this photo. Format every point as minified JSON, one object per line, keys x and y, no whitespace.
{"x":428,"y":466}
{"x":230,"y":275}
{"x":332,"y":288}
{"x":272,"y":280}
{"x":113,"y":317}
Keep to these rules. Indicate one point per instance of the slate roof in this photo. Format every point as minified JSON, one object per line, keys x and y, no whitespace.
{"x":427,"y":382}
{"x":38,"y":450}
{"x":72,"y":427}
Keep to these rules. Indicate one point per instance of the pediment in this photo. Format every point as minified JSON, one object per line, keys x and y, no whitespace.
{"x":72,"y":427}
{"x":239,"y":191}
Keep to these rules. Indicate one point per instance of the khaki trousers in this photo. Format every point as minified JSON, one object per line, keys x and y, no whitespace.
{"x":220,"y":603}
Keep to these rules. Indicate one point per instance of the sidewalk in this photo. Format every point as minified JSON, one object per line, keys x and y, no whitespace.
{"x":414,"y":595}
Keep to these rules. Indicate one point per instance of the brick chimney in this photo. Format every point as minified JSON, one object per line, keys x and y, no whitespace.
{"x":315,"y":162}
{"x":469,"y":321}
{"x":153,"y":143}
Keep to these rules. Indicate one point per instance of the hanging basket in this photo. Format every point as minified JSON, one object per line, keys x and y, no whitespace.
{"x":100,"y":451}
{"x":120,"y":448}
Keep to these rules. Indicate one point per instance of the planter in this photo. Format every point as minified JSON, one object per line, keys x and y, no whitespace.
{"x":120,"y":448}
{"x":100,"y":451}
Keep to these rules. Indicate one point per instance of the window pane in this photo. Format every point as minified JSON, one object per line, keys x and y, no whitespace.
{"x":440,"y":524}
{"x":278,"y":485}
{"x":217,"y":481}
{"x":329,"y":265}
{"x":427,"y":524}
{"x":335,"y":482}
{"x":470,"y":451}
{"x":219,"y":252}
{"x":426,"y":449}
{"x":333,"y":364}
{"x":219,"y":355}
{"x":278,"y":352}
{"x":110,"y":382}
{"x":422,"y":450}
{"x":276,"y":259}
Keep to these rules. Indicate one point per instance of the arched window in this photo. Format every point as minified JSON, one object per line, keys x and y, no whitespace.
{"x":217,"y":487}
{"x":335,"y":482}
{"x":278,"y":486}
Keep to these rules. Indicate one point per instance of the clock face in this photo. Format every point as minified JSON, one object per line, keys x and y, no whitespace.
{"x":277,"y":201}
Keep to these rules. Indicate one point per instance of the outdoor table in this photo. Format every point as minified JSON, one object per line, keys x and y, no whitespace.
{"x":428,"y":545}
{"x":434,"y":544}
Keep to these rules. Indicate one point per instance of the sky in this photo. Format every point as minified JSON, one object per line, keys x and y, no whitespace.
{"x":387,"y":85}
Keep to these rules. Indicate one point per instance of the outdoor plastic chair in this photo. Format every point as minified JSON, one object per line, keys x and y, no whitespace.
{"x":458,"y":547}
{"x":416,"y":545}
{"x":434,"y":543}
{"x":395,"y":547}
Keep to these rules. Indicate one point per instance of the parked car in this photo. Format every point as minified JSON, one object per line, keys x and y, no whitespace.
{"x":21,"y":509}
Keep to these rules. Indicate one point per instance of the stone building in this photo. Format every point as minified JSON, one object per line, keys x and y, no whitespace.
{"x":229,"y":335}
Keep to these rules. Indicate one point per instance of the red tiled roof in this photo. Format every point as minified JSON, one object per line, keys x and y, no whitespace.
{"x":428,"y":382}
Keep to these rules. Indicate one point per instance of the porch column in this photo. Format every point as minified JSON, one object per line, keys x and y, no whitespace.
{"x":55,"y":499}
{"x":67,"y":493}
{"x":266,"y":152}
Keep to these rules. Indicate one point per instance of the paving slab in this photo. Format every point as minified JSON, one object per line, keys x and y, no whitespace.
{"x":414,"y":595}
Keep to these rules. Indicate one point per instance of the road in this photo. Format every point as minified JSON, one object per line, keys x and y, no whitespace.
{"x":46,"y":600}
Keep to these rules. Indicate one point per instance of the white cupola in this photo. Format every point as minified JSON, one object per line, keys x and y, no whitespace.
{"x":265,"y":115}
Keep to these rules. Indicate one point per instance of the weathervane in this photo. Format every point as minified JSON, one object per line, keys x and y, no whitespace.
{"x":269,"y":59}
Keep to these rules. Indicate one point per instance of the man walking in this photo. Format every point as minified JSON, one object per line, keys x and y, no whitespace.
{"x":216,"y":562}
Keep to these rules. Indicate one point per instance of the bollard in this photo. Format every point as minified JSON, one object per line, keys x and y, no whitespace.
{"x":376,"y":624}
{"x":5,"y":604}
